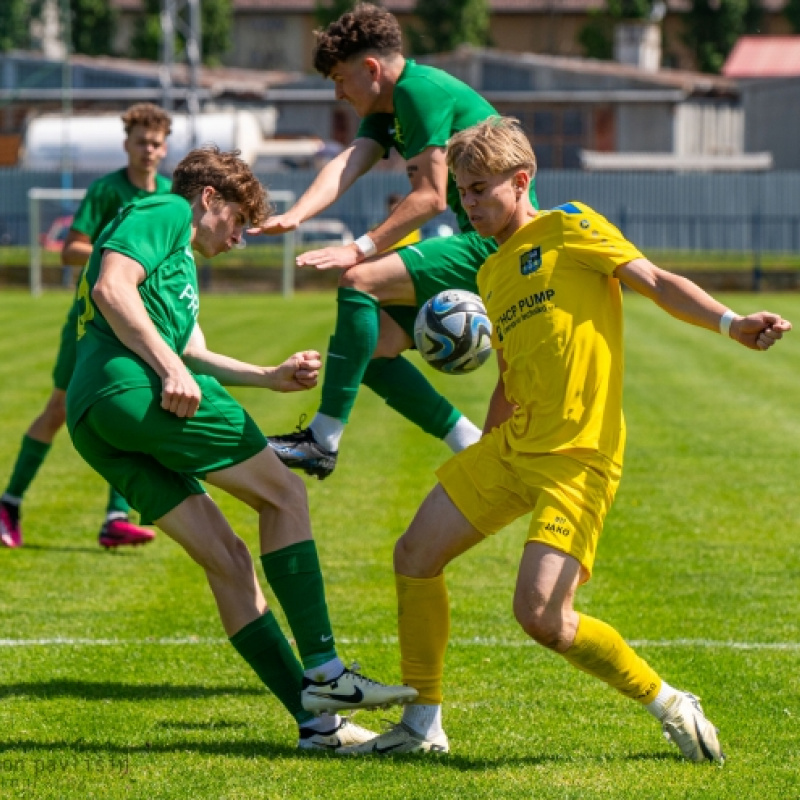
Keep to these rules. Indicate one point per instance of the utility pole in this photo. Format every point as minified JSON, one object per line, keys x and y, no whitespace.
{"x":173,"y":21}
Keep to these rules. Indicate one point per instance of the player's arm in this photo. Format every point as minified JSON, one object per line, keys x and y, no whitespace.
{"x":427,"y":173}
{"x":500,"y":409}
{"x":333,"y":180}
{"x":116,"y":295}
{"x":76,"y":249}
{"x":686,"y":301}
{"x":299,"y":371}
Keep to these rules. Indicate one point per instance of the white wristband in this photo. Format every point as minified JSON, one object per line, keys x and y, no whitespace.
{"x":366,"y":245}
{"x":725,"y":322}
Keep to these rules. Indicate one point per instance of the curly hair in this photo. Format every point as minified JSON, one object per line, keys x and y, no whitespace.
{"x":225,"y":172}
{"x":494,"y":146}
{"x":149,"y":116}
{"x":365,"y":28}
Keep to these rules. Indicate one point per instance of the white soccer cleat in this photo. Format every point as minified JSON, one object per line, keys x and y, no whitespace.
{"x":685,"y":725}
{"x":346,"y":734}
{"x":399,"y":739}
{"x":352,"y":690}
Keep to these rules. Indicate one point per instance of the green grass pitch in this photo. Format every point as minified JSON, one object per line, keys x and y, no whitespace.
{"x":116,"y":680}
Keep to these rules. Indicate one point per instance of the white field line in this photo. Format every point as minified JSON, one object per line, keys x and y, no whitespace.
{"x":182,"y":641}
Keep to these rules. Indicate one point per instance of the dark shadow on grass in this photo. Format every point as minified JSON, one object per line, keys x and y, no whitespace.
{"x":110,"y":690}
{"x":197,"y":726}
{"x":96,"y":550}
{"x":62,"y":752}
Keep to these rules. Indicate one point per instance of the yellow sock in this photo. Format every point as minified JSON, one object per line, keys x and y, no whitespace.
{"x":599,"y":650}
{"x":423,"y":622}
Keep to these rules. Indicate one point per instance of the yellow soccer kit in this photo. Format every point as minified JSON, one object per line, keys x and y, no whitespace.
{"x":556,"y":311}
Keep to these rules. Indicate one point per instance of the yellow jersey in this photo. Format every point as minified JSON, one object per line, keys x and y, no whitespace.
{"x":413,"y":238}
{"x":556,"y":312}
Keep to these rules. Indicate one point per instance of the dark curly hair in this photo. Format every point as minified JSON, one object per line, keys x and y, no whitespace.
{"x":365,"y":28}
{"x":231,"y":177}
{"x":147,"y":115}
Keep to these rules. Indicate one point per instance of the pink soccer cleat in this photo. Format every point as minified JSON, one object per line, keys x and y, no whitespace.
{"x":10,"y":527}
{"x":120,"y":532}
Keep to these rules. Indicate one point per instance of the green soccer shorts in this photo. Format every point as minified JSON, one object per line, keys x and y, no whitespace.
{"x":65,"y":360}
{"x":156,"y":459}
{"x":445,"y":262}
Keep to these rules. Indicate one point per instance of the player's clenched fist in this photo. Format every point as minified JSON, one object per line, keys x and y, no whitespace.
{"x":759,"y":331}
{"x":180,"y":393}
{"x":300,"y":371}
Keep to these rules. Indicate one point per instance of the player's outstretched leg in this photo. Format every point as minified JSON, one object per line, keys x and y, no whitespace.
{"x":117,"y":530}
{"x":349,"y":352}
{"x":291,"y":565}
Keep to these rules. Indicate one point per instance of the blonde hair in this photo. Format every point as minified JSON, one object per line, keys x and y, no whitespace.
{"x":495,"y":146}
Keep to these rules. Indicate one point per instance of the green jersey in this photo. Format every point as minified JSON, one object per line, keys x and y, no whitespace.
{"x":155,"y":232}
{"x":430,"y":105}
{"x":106,"y":196}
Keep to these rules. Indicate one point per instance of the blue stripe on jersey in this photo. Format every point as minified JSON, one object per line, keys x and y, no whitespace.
{"x":568,"y":208}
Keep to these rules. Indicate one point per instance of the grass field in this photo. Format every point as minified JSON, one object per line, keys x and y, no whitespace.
{"x":117,"y":681}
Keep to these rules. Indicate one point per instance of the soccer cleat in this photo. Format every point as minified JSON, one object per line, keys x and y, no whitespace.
{"x":346,"y":734}
{"x":10,"y":527}
{"x":399,"y":739}
{"x":352,"y":690}
{"x":120,"y":532}
{"x":685,"y":725}
{"x":300,"y":450}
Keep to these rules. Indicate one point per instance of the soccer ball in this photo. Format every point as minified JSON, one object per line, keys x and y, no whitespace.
{"x":453,"y":333}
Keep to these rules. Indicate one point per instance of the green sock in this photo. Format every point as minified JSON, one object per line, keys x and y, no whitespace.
{"x":116,"y":502}
{"x":30,"y":458}
{"x":263,"y":646}
{"x":295,"y":576}
{"x":349,"y":352}
{"x":407,"y":391}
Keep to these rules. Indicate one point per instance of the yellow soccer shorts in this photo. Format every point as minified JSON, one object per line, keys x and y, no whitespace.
{"x":492,"y":485}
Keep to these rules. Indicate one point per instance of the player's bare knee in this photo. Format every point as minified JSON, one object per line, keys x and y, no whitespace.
{"x":289,"y":491}
{"x":540,"y":623}
{"x":414,"y":561}
{"x":354,"y":278}
{"x":231,"y":561}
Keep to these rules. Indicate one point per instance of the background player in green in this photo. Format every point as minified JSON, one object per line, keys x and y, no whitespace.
{"x":414,"y":109}
{"x":146,"y":130}
{"x":147,"y":410}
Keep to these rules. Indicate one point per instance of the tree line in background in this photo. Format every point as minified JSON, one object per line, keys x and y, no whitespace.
{"x":712,"y":26}
{"x":91,"y":25}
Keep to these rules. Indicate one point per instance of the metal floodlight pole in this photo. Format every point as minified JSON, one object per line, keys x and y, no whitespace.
{"x":66,"y":96}
{"x":193,"y":55}
{"x":172,"y":22}
{"x":167,"y":50}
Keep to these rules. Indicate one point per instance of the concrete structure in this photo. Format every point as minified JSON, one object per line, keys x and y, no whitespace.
{"x":767,"y":71}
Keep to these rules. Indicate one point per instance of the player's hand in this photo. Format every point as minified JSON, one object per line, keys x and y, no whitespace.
{"x":180,"y":394}
{"x":298,"y":373}
{"x":276,"y":225}
{"x":342,"y":257}
{"x":759,"y":331}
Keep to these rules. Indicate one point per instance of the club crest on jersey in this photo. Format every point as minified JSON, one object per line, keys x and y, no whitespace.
{"x":530,"y":261}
